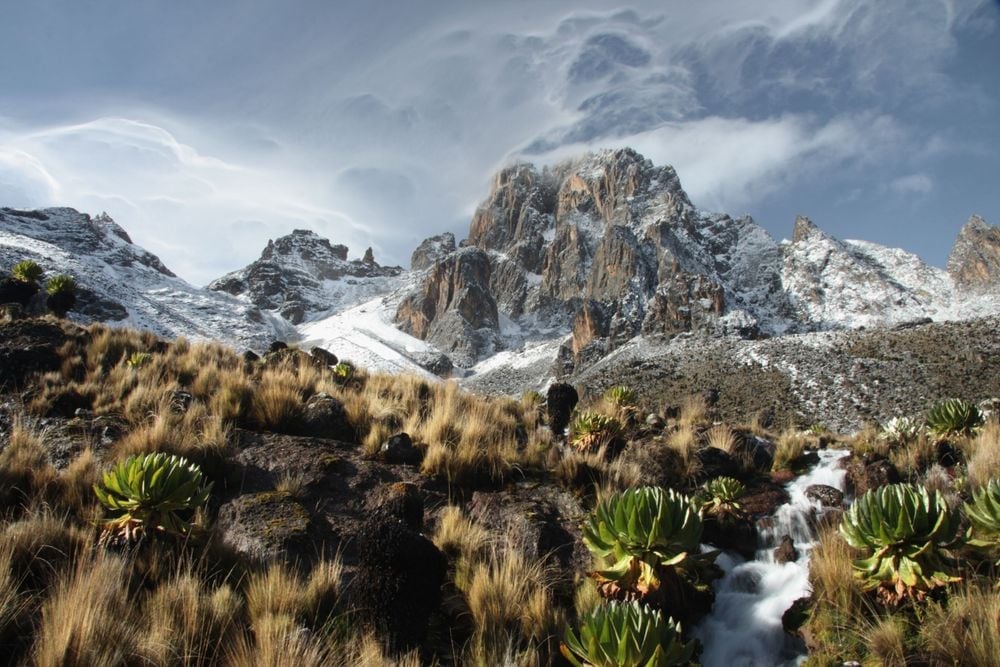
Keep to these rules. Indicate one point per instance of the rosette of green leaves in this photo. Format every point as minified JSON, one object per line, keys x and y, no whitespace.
{"x":151,"y":493}
{"x":60,"y":284}
{"x":904,"y":531}
{"x":983,"y":512}
{"x":719,"y":497}
{"x":138,"y":359}
{"x":901,"y":429}
{"x":27,"y":271}
{"x":627,"y":634}
{"x":590,"y":430}
{"x":639,"y":532}
{"x":620,"y":395}
{"x":954,"y":417}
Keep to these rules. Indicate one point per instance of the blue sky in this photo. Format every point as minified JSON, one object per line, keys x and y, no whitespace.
{"x":207,"y":128}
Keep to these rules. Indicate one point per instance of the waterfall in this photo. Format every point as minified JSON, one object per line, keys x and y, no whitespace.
{"x":744,"y":627}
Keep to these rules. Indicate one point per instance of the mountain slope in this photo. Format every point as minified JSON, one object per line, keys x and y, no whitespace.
{"x":123,"y":284}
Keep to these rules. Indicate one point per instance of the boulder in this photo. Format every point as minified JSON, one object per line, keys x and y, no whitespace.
{"x":786,"y":552}
{"x":28,"y":347}
{"x":560,"y":400}
{"x":870,"y":471}
{"x":825,"y":495}
{"x":399,"y":449}
{"x":267,"y":526}
{"x":716,"y":463}
{"x":324,"y":417}
{"x":398,"y":584}
{"x":323,"y":358}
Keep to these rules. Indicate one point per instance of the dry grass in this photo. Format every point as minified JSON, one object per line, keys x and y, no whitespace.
{"x":463,"y":541}
{"x":832,"y":575}
{"x":885,"y":638}
{"x":982,"y":453}
{"x":966,"y":631}
{"x":88,"y":619}
{"x":694,"y":411}
{"x":684,"y":441}
{"x":913,"y":458}
{"x":791,"y":444}
{"x":511,"y":607}
{"x":25,"y":471}
{"x":722,"y":437}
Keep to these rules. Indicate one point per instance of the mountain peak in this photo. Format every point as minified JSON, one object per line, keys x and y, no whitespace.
{"x":974,"y":261}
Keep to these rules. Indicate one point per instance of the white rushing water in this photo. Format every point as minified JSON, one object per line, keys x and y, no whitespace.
{"x":744,"y":627}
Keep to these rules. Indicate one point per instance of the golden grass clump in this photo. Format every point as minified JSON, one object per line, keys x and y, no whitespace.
{"x":966,"y":631}
{"x":185,"y":622}
{"x":25,"y":471}
{"x":463,"y":541}
{"x":684,"y":441}
{"x":791,"y":445}
{"x":914,"y":457}
{"x":88,"y":619}
{"x":722,"y":437}
{"x":510,"y":605}
{"x":885,"y":638}
{"x":694,"y":411}
{"x":983,"y":453}
{"x":832,"y":575}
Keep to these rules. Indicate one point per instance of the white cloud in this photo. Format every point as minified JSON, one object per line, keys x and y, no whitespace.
{"x":919,"y":184}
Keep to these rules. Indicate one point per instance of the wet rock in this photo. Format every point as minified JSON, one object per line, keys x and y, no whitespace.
{"x":825,"y":495}
{"x":761,"y":499}
{"x":869,"y":471}
{"x":399,"y":449}
{"x":786,"y":552}
{"x":731,"y":534}
{"x":560,"y":400}
{"x":324,"y":417}
{"x":796,"y":615}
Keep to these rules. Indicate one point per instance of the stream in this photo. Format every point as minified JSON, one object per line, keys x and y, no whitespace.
{"x":744,"y":627}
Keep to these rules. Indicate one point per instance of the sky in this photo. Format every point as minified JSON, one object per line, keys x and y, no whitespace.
{"x":205,"y":129}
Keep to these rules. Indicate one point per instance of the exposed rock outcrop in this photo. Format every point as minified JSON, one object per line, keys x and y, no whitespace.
{"x":290,"y":275}
{"x":974,"y":261}
{"x":453,"y":308}
{"x":431,"y":250}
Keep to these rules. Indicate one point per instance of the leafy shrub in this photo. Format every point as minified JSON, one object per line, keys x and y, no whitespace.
{"x":903,"y":530}
{"x":148,"y":493}
{"x":901,"y":430}
{"x":719,"y":498}
{"x":60,"y":284}
{"x":590,"y":430}
{"x":954,"y":417}
{"x":627,"y":634}
{"x":620,"y":395}
{"x":27,"y":271}
{"x":983,"y":511}
{"x":641,"y":534}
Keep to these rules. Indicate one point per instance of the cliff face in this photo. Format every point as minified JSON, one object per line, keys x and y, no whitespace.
{"x":608,"y":247}
{"x":974,"y":262}
{"x":301,"y":275}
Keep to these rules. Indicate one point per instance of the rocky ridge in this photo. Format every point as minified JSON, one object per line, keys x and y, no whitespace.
{"x":302,"y":275}
{"x":121,"y":283}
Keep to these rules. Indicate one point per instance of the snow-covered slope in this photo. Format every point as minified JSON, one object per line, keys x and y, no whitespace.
{"x":123,"y":284}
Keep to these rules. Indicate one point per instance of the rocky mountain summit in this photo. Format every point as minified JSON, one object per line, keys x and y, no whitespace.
{"x":121,"y":283}
{"x":607,"y":248}
{"x":302,"y":273}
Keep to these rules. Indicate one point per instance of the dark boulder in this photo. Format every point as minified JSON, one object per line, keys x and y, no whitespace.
{"x":60,"y":303}
{"x":323,"y":358}
{"x":249,"y":356}
{"x":398,"y":585}
{"x":786,"y":552}
{"x":560,"y":400}
{"x":399,"y":449}
{"x":324,"y":417}
{"x":267,"y":526}
{"x":731,"y":534}
{"x":17,"y":291}
{"x":277,"y":346}
{"x":716,"y":463}
{"x":870,"y":471}
{"x":825,"y":495}
{"x":28,"y":347}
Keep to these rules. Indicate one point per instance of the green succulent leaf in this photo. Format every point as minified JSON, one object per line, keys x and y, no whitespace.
{"x":627,"y":634}
{"x":591,"y":430}
{"x":26,"y":271}
{"x":904,"y":531}
{"x":954,"y":417}
{"x":60,"y":283}
{"x":147,"y":492}
{"x":983,"y":512}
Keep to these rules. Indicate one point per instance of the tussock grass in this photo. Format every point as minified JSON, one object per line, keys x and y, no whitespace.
{"x":25,"y":471}
{"x":791,"y":444}
{"x":694,"y":411}
{"x":684,"y":441}
{"x":886,"y":639}
{"x":88,"y":620}
{"x":966,"y":631}
{"x":722,"y":437}
{"x":982,"y":453}
{"x":832,"y":575}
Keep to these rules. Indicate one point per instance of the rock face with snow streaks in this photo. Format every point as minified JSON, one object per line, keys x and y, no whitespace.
{"x":974,"y":261}
{"x":296,"y":273}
